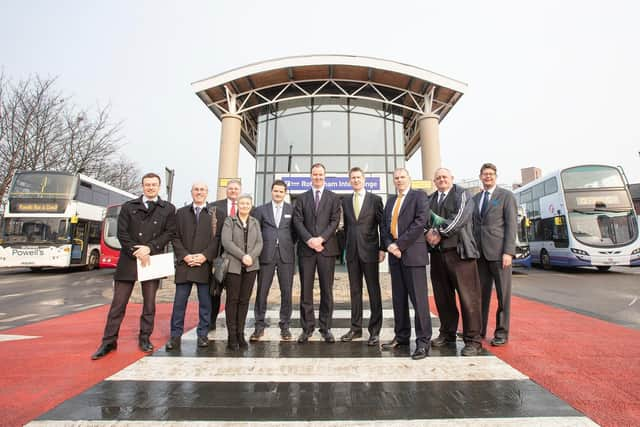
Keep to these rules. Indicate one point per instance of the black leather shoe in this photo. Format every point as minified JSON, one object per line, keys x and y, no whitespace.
{"x":442,"y":340}
{"x":173,"y":344}
{"x":203,"y":341}
{"x":304,"y":337}
{"x":373,"y":340}
{"x":350,"y":336}
{"x":471,"y":350}
{"x":499,"y":341}
{"x":242,"y":343}
{"x":393,"y":344}
{"x":145,"y":345}
{"x":328,"y":337}
{"x":420,"y":353}
{"x":103,"y":350}
{"x":285,"y":333}
{"x":256,"y":335}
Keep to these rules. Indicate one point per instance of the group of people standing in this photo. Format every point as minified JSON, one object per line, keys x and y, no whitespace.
{"x":470,"y":241}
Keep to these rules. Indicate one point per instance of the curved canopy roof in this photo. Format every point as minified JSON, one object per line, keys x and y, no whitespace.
{"x":409,"y":90}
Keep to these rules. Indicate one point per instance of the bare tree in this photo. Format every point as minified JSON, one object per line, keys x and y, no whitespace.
{"x":42,"y":130}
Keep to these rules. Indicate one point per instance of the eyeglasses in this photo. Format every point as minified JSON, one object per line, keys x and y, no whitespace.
{"x":488,"y":174}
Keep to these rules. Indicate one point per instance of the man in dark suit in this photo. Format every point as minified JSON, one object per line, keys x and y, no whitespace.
{"x":145,"y":226}
{"x":223,"y":208}
{"x":404,"y":220}
{"x":453,"y":264}
{"x":195,"y":247}
{"x":494,"y":228}
{"x":362,"y":216}
{"x":278,"y":237}
{"x":315,"y":217}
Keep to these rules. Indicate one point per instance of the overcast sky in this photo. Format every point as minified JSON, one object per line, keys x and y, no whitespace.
{"x":551,"y":84}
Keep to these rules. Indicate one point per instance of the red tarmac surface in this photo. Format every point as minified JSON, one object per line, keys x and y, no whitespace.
{"x":591,"y":364}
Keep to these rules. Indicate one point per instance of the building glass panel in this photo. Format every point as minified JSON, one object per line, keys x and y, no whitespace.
{"x":367,"y":134}
{"x":293,"y":134}
{"x":330,"y":133}
{"x":333,"y":164}
{"x":370,"y":164}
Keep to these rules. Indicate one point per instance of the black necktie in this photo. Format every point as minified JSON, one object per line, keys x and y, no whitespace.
{"x":150,"y":205}
{"x":317,"y":200}
{"x":440,"y":198}
{"x":485,"y":204}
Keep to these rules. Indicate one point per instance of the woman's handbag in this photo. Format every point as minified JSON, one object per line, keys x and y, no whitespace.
{"x":220,"y":264}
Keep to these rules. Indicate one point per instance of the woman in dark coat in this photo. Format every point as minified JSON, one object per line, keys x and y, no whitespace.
{"x":242,"y":242}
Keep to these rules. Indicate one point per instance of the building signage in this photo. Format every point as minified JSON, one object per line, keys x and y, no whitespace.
{"x":298,"y":184}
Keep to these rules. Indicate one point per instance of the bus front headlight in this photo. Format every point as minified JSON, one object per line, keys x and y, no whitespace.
{"x":636,"y":251}
{"x":579,"y":251}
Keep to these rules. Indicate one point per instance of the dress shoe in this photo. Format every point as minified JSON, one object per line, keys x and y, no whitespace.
{"x":328,"y":337}
{"x":173,"y":344}
{"x":393,"y":344}
{"x":103,"y":350}
{"x":285,"y":333}
{"x":471,"y":350}
{"x":255,"y":336}
{"x":145,"y":345}
{"x":304,"y":337}
{"x":420,"y":353}
{"x":442,"y":340}
{"x":373,"y":340}
{"x":233,"y":346}
{"x":203,"y":341}
{"x":350,"y":336}
{"x":498,"y":341}
{"x":242,"y":343}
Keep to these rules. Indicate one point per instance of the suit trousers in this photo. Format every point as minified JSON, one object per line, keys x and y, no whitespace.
{"x":492,"y":272}
{"x":285,"y":280}
{"x":239,"y":288}
{"x":449,"y":274}
{"x":121,"y":294}
{"x":215,"y":309}
{"x":410,"y":283}
{"x":370,"y":270}
{"x":183,"y":290}
{"x":326,"y":266}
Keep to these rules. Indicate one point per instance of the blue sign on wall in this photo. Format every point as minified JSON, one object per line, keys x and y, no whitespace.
{"x":297,"y":184}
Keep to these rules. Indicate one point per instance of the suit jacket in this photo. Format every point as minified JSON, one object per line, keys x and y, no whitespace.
{"x":194,"y":237}
{"x":457,"y":231}
{"x":234,"y":243}
{"x":283,"y":233}
{"x":308,"y":223}
{"x":138,"y":225}
{"x":412,"y":221}
{"x":362,"y":234}
{"x":495,"y":233}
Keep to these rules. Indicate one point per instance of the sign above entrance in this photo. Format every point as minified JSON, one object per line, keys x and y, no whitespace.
{"x":299,"y":184}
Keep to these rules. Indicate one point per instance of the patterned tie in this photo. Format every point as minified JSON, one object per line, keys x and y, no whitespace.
{"x":317,"y":200}
{"x":394,"y":216}
{"x":485,"y":204}
{"x":440,"y":199}
{"x":233,"y":209}
{"x":198,"y":209}
{"x":278,"y":215}
{"x":356,"y":204}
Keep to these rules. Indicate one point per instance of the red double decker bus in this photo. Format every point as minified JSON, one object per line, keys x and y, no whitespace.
{"x":109,"y":243}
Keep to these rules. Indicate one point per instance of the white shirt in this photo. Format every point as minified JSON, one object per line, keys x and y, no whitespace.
{"x":490,"y":191}
{"x":146,"y":201}
{"x":199,"y":206}
{"x":229,"y":205}
{"x":445,"y":194}
{"x":274,"y":206}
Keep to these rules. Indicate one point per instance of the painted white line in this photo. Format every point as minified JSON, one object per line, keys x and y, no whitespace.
{"x":24,"y":316}
{"x":347,"y":369}
{"x":337,"y":314}
{"x":5,"y":338}
{"x":464,"y":422}
{"x":273,"y":334}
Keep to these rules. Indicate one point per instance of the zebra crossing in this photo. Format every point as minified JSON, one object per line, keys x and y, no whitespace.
{"x":275,"y":383}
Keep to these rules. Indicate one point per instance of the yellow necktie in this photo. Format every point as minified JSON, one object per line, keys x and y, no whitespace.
{"x":356,"y":204}
{"x":394,"y":216}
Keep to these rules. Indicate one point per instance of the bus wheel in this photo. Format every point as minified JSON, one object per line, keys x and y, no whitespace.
{"x":545,"y":260}
{"x":94,"y":260}
{"x":603,"y":267}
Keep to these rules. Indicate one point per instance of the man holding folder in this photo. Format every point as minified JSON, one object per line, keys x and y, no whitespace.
{"x":145,"y":226}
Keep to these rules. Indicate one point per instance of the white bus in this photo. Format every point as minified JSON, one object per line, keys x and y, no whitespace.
{"x":53,"y":219}
{"x":581,"y":216}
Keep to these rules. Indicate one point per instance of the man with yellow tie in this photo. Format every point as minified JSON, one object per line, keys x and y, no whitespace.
{"x":362,"y":213}
{"x":404,"y":221}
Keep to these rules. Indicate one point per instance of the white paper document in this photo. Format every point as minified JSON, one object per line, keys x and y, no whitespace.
{"x":159,"y":266}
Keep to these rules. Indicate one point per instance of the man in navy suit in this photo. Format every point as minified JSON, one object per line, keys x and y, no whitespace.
{"x":404,"y":222}
{"x":278,"y":238}
{"x":316,"y":216}
{"x":362,"y":214}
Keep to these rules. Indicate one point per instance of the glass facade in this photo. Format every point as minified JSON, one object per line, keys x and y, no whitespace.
{"x":339,"y":133}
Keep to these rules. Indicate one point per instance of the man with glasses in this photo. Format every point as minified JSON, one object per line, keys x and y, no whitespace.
{"x":494,"y":228}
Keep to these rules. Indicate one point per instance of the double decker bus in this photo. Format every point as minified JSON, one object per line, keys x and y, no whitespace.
{"x":581,"y":216}
{"x":109,"y":243}
{"x":53,"y":219}
{"x":523,"y":252}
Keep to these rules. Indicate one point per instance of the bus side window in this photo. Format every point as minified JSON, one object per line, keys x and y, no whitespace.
{"x":560,"y":232}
